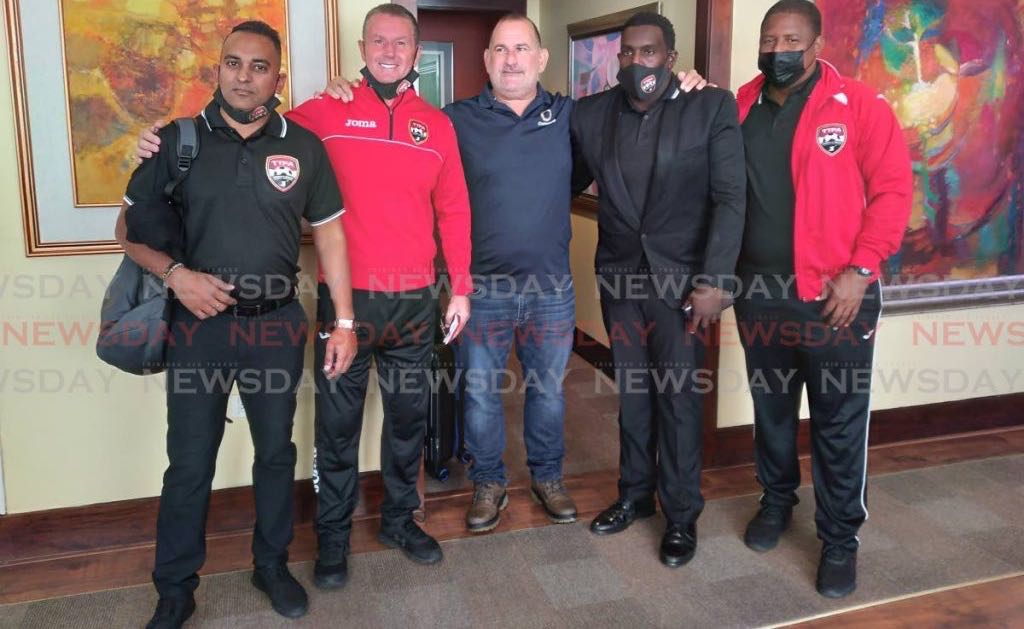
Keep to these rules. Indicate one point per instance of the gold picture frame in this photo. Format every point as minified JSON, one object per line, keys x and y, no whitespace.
{"x":52,"y":224}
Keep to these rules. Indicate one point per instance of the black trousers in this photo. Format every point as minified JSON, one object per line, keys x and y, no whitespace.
{"x":661,"y":395}
{"x":263,"y":356}
{"x":397,"y":330}
{"x":789,"y":346}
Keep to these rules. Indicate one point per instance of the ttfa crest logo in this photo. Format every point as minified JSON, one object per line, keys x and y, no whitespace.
{"x":418,"y":131}
{"x":282,"y":171}
{"x":831,"y":138}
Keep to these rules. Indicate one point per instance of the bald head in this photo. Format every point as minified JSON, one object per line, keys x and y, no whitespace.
{"x":518,"y":17}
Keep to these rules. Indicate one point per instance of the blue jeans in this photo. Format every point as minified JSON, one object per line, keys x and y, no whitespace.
{"x":541,"y":326}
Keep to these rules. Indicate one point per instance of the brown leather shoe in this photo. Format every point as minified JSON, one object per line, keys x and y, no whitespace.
{"x":556,"y":501}
{"x":489,"y":499}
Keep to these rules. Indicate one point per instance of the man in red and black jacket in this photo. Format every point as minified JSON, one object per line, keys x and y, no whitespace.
{"x":397,"y":159}
{"x":829,"y":193}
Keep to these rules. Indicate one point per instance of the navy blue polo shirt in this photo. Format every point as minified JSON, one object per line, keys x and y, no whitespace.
{"x":519,"y":171}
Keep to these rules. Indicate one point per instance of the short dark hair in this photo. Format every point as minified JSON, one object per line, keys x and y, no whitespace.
{"x":803,"y":8}
{"x":647,"y":18}
{"x":519,"y":17}
{"x":256,"y":27}
{"x":394,"y":10}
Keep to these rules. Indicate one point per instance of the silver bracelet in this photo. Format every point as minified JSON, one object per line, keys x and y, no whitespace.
{"x":171,"y":269}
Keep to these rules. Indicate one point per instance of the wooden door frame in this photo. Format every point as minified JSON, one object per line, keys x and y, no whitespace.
{"x":503,"y":6}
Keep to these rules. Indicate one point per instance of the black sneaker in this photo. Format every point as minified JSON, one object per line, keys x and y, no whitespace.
{"x":330,"y":571}
{"x":837,"y":572}
{"x":287,"y":596}
{"x":411,"y":540}
{"x":172,"y":612}
{"x":764,"y":530}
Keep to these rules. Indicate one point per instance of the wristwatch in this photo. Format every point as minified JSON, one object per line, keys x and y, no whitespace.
{"x":862,"y":271}
{"x":345,"y":324}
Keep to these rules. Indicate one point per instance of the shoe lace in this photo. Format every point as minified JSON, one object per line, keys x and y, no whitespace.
{"x":834,"y":553}
{"x":773,"y":513}
{"x":167,"y":605}
{"x":555,"y":486}
{"x":486,"y":492}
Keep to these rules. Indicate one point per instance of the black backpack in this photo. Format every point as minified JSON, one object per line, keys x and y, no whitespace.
{"x":135,"y":315}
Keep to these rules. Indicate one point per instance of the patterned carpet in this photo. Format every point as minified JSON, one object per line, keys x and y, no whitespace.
{"x":929,"y":528}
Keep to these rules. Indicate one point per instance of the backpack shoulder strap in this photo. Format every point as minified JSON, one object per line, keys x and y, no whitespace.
{"x":187,"y":151}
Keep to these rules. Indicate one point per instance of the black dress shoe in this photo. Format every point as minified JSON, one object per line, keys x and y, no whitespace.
{"x":837,"y":572}
{"x":330,"y":576}
{"x":412,"y":541}
{"x":678,"y":545}
{"x":764,"y":530}
{"x":620,"y":515}
{"x":287,"y":596}
{"x":172,"y":612}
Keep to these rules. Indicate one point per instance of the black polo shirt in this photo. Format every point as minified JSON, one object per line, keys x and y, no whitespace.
{"x":518,"y":170}
{"x":768,"y":139}
{"x":244,"y":199}
{"x":636,"y":136}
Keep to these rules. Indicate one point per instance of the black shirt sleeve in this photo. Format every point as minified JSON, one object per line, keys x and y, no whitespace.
{"x":149,"y":179}
{"x":581,"y":175}
{"x":324,"y":202}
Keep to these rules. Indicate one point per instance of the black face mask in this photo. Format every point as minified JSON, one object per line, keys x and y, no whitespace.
{"x":643,"y":83}
{"x":387,"y":91}
{"x":246,"y":116}
{"x":782,"y":69}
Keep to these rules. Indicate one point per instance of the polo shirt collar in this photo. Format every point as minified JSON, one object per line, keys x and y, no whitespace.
{"x":275,"y":127}
{"x":487,"y":99}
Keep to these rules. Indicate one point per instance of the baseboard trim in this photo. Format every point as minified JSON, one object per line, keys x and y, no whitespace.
{"x":73,"y":531}
{"x":735,"y":445}
{"x":725,"y":447}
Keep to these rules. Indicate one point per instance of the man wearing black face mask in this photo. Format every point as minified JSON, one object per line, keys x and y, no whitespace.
{"x":669,"y":166}
{"x":829,"y":197}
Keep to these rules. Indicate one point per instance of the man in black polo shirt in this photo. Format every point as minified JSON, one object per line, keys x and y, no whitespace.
{"x":235,"y":318}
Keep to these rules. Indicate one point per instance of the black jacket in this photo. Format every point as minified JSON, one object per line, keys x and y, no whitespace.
{"x":692,"y":227}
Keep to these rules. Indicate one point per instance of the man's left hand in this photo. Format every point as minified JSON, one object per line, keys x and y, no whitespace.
{"x":692,"y":80}
{"x":844,"y":294}
{"x":457,"y":306}
{"x":341,"y":351}
{"x":706,"y":305}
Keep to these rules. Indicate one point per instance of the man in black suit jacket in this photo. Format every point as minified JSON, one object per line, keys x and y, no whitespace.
{"x":670,"y":169}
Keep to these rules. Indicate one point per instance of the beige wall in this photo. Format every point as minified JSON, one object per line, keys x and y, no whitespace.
{"x":100,"y":435}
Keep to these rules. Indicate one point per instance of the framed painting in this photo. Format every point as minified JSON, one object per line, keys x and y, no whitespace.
{"x":87,"y":75}
{"x":954,"y":74}
{"x":594,"y":65}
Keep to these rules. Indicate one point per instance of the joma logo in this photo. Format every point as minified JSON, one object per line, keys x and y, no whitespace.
{"x":362,"y":124}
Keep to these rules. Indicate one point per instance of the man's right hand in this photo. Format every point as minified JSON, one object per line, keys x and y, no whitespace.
{"x":149,"y":142}
{"x":203,"y":294}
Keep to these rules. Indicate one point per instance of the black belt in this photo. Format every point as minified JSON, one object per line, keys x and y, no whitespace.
{"x":261,"y":307}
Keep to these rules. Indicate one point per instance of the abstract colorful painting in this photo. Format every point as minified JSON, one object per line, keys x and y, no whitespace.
{"x":954,"y":72}
{"x":594,"y":64}
{"x":130,"y":62}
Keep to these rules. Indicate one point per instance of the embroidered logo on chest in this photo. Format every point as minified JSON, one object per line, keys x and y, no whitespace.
{"x":831,"y":138}
{"x":546,"y":117}
{"x":361,"y":124}
{"x":418,"y":131}
{"x":282,"y":171}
